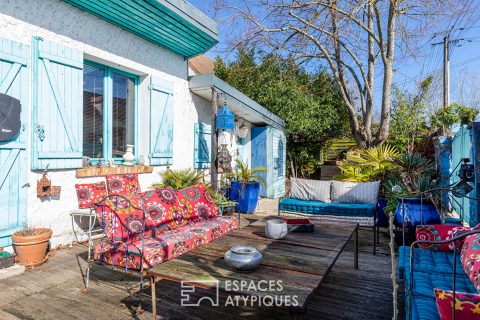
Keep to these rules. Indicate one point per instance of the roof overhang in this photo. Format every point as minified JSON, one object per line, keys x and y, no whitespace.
{"x":240,"y":104}
{"x":173,"y":24}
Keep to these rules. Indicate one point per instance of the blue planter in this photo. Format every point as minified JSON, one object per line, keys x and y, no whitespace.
{"x":245,"y":195}
{"x":417,"y":212}
{"x":382,"y":217}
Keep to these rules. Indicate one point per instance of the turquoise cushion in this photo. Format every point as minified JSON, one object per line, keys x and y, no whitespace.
{"x":428,"y":261}
{"x":425,"y":282}
{"x":423,"y":308}
{"x":324,"y":208}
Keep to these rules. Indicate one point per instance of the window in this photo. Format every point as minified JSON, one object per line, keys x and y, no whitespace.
{"x":108,"y":112}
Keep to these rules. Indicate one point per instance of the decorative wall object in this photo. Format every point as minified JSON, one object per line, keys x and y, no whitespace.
{"x":224,"y":159}
{"x":242,"y":131}
{"x":45,"y":188}
{"x":225,"y":118}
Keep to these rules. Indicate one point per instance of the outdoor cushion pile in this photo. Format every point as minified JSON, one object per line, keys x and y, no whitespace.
{"x":162,"y":224}
{"x":435,"y":268}
{"x":332,"y":198}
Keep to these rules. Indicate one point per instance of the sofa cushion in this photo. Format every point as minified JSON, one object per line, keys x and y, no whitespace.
{"x":427,"y":261}
{"x":423,"y":308}
{"x":470,"y":258}
{"x":306,"y":189}
{"x":165,"y":245}
{"x":322,"y":208}
{"x":124,"y":184}
{"x":355,"y":192}
{"x":467,"y":305}
{"x":90,"y":193}
{"x":163,"y":207}
{"x":436,"y":232}
{"x":197,"y":202}
{"x":425,"y":282}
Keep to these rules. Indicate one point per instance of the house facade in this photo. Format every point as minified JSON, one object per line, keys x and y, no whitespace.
{"x":95,"y":76}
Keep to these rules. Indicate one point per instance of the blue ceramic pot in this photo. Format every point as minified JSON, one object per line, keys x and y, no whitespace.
{"x":417,"y":212}
{"x":414,"y":212}
{"x":382,"y":217}
{"x":245,"y":195}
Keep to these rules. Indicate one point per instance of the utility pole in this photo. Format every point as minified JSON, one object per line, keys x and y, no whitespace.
{"x":446,"y":72}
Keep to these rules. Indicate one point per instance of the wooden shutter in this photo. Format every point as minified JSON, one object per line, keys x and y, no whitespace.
{"x":203,"y":139}
{"x":14,"y":81}
{"x":57,"y":106}
{"x":161,"y":122}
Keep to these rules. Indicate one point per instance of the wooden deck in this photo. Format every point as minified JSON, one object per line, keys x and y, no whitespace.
{"x":53,"y":291}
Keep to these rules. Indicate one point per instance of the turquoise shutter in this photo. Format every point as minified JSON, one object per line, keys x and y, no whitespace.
{"x":57,"y":106}
{"x":203,"y":139}
{"x":14,"y":81}
{"x":161,"y":122}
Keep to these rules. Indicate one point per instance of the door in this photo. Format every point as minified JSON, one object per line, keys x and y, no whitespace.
{"x":14,"y":81}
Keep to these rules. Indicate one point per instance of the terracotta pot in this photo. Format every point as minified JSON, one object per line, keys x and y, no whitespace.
{"x":32,"y":250}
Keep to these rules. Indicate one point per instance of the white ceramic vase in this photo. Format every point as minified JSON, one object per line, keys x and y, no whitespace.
{"x":128,"y":157}
{"x":276,"y":229}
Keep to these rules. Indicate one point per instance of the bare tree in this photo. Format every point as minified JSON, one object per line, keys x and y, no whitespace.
{"x":350,"y":37}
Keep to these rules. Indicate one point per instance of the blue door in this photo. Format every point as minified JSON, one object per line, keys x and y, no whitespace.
{"x":14,"y":81}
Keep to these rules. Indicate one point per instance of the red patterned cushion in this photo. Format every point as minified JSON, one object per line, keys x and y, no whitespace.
{"x":470,"y":258}
{"x":438,"y":232}
{"x":121,"y":219}
{"x":467,"y":305}
{"x":163,"y":207}
{"x":166,"y":245}
{"x":124,"y":184}
{"x":90,"y":193}
{"x":197,"y":202}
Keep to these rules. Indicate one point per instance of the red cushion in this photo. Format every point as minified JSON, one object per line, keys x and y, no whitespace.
{"x":121,"y":219}
{"x":467,"y":305}
{"x":470,"y":258}
{"x":197,"y":202}
{"x":124,"y":184}
{"x":438,"y":232}
{"x":165,"y":245}
{"x":163,"y":207}
{"x":90,"y":193}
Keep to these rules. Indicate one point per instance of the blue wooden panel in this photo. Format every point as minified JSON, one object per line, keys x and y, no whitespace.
{"x":277,"y":174}
{"x":14,"y":81}
{"x":259,"y":153}
{"x":203,"y":146}
{"x":475,"y":159}
{"x":57,"y":106}
{"x":161,"y":122}
{"x":461,"y":148}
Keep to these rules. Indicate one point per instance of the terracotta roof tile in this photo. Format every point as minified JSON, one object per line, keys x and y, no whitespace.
{"x":201,"y":64}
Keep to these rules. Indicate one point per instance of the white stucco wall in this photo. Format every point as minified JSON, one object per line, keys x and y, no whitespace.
{"x":57,"y":21}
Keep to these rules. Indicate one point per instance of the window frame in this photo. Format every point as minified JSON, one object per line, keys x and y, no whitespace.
{"x":108,"y":110}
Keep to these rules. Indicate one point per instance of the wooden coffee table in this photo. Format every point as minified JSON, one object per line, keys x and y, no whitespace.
{"x":301,"y":262}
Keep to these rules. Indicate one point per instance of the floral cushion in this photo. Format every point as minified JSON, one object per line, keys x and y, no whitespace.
{"x":90,"y":193}
{"x":121,"y":218}
{"x":470,"y":258}
{"x":436,"y":232}
{"x":165,"y":245}
{"x":197,"y":202}
{"x":467,"y":305}
{"x":124,"y":184}
{"x":163,"y":207}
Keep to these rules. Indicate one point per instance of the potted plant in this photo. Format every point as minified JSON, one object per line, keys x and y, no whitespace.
{"x":245,"y":184}
{"x":372,"y":164}
{"x":179,"y":179}
{"x":31,"y":245}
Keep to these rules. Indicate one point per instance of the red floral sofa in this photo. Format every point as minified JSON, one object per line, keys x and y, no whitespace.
{"x":143,"y":229}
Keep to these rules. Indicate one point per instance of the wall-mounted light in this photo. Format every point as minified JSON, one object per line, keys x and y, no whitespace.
{"x":242,"y":131}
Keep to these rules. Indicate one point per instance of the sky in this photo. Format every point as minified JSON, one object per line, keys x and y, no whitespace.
{"x":464,"y":55}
